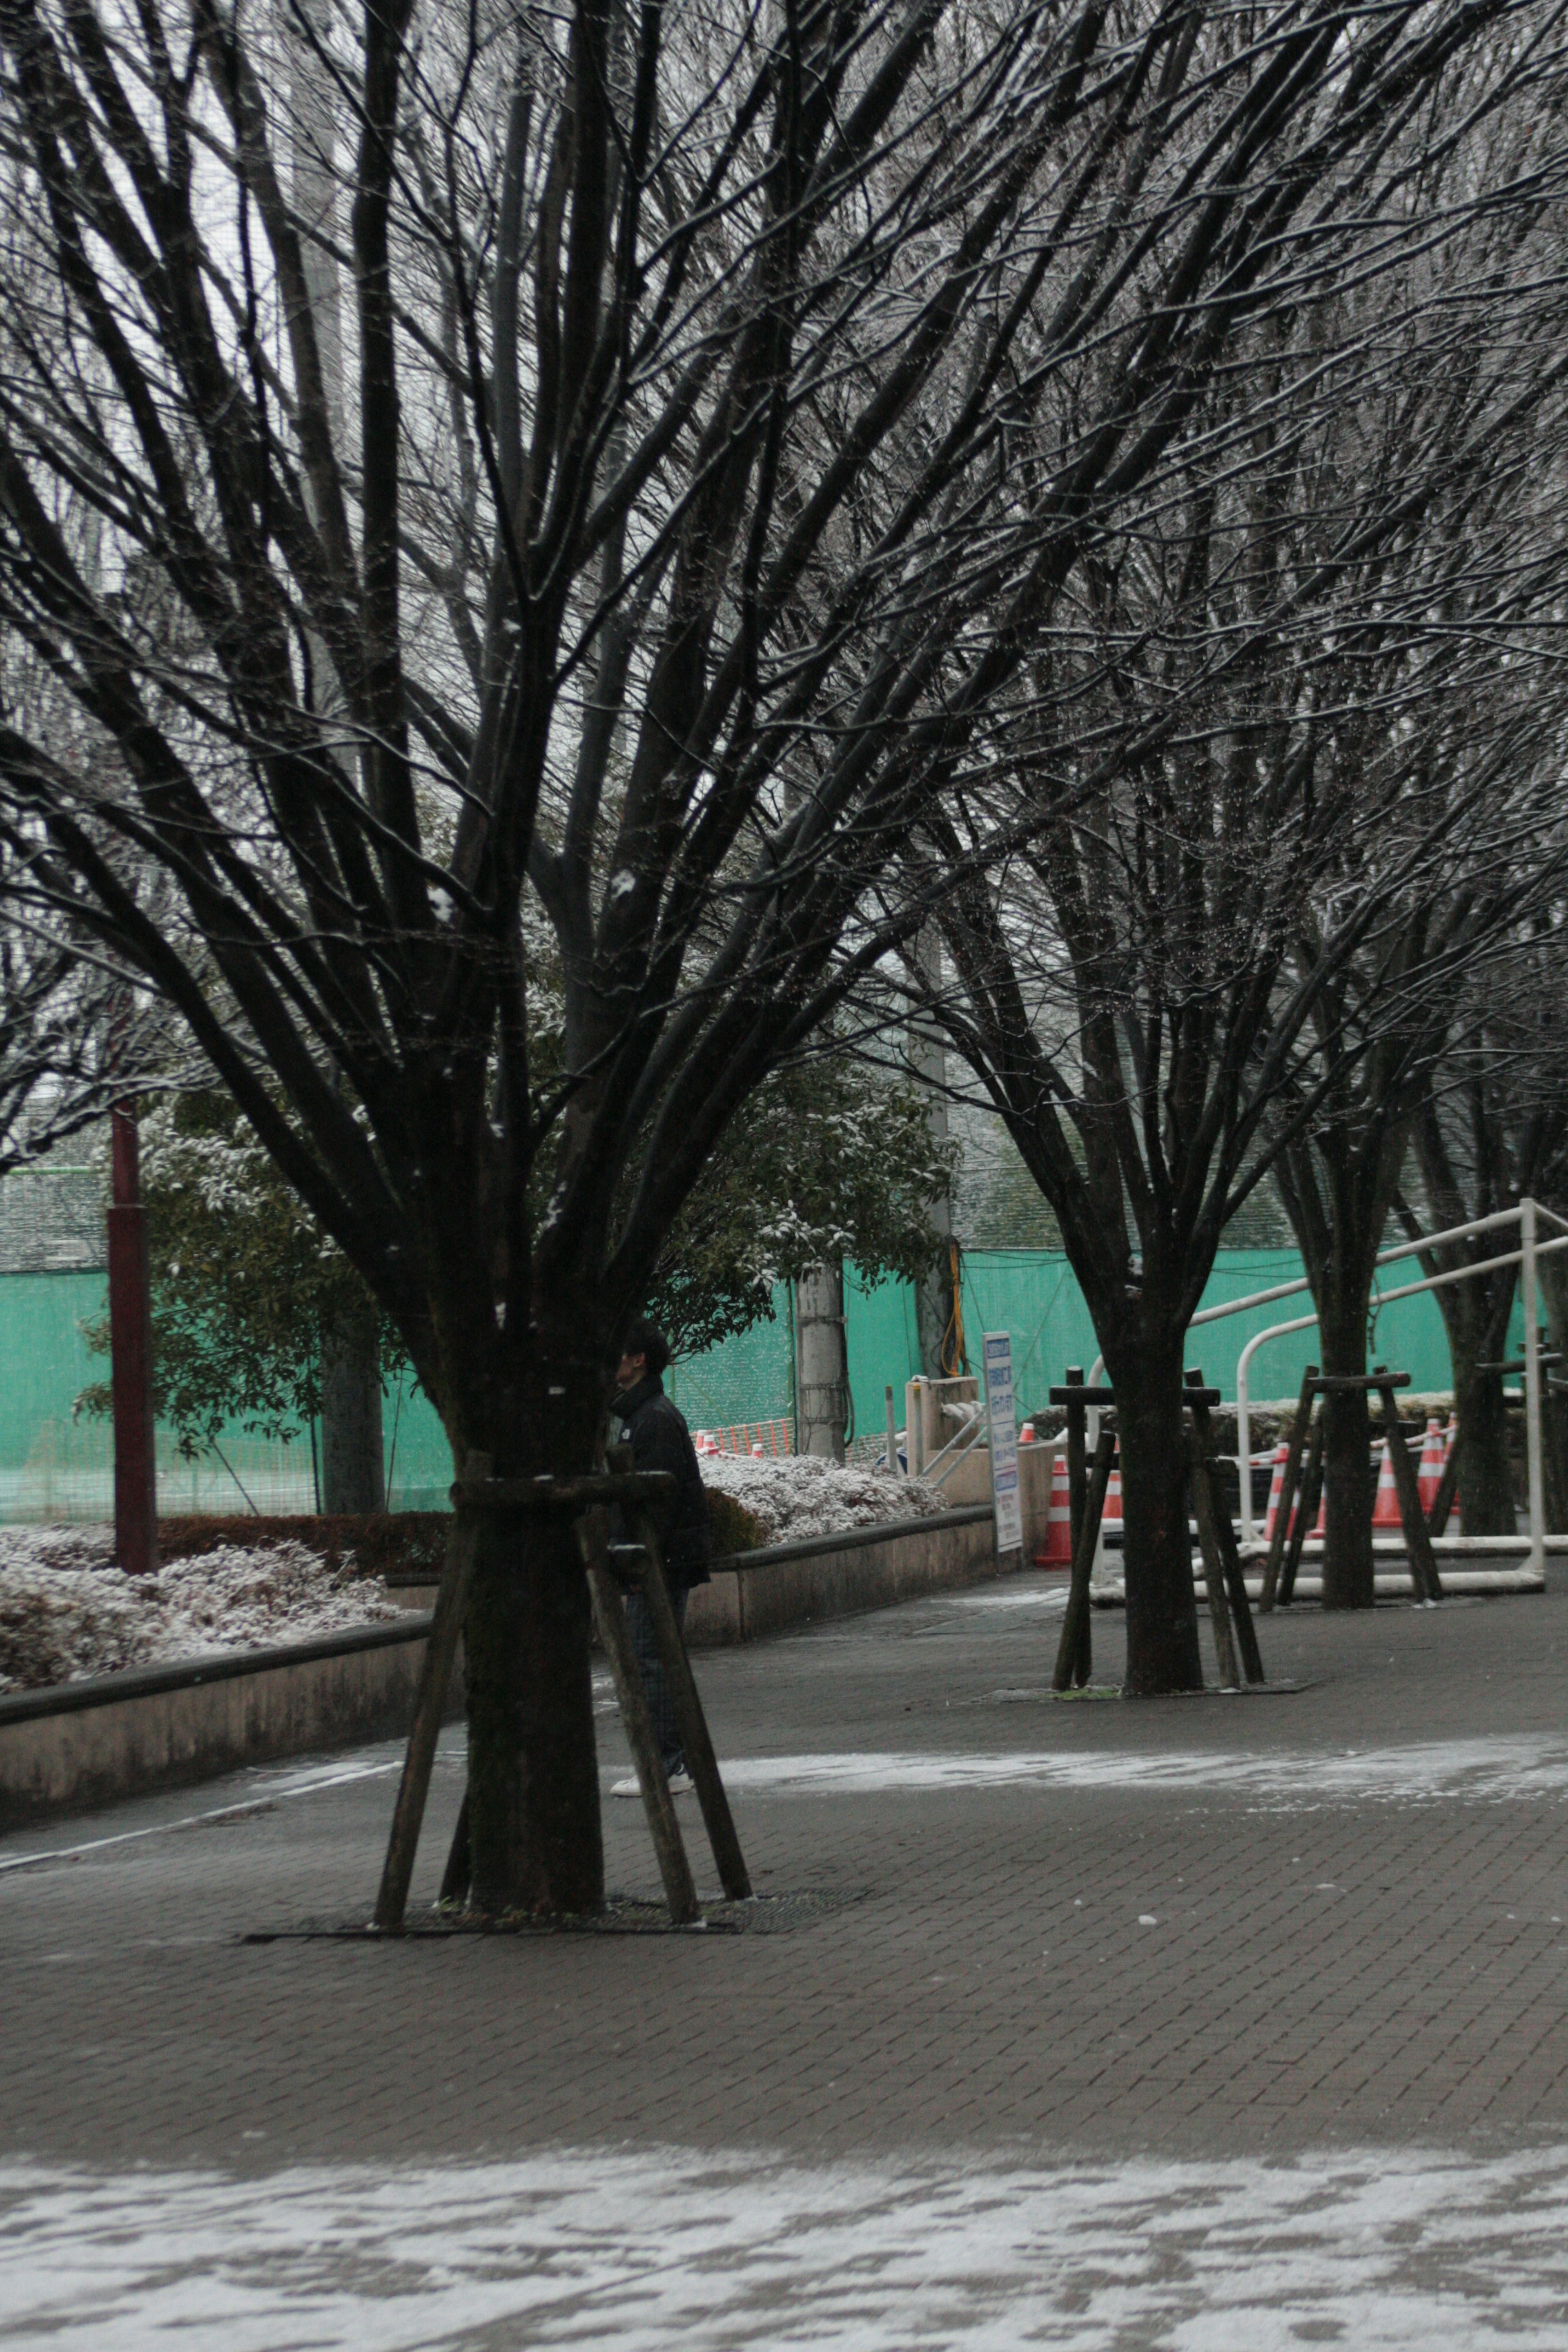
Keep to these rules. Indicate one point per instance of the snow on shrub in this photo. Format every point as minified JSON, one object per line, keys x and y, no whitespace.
{"x":67,"y":1612}
{"x":800,"y":1495}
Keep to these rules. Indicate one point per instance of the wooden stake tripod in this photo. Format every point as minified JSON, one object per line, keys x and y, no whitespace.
{"x":1087,"y":1486}
{"x":610,"y":1569}
{"x":1285,"y":1544}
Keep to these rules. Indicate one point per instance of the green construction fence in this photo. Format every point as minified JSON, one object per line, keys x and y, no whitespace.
{"x":58,"y":1464}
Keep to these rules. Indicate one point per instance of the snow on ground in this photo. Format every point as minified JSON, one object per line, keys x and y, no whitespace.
{"x":649,"y":2250}
{"x":800,"y":1494}
{"x":1486,"y":1770}
{"x":67,"y":1612}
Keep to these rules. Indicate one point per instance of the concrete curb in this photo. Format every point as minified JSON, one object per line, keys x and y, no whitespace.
{"x":81,"y":1745}
{"x":84,"y":1744}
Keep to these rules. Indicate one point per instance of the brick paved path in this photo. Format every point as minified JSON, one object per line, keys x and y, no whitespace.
{"x":1206,"y":1930}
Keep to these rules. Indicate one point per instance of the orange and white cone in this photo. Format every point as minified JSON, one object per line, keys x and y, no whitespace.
{"x":1386,"y":1510}
{"x":1111,"y":1515}
{"x":1057,"y":1550}
{"x":1276,"y":1488}
{"x":1434,"y":1452}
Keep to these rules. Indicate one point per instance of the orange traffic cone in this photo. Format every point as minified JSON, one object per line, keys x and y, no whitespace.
{"x":1276,"y":1488}
{"x":1429,"y":1477}
{"x":1386,"y":1510}
{"x":1111,"y":1515}
{"x":1057,"y":1551}
{"x":1026,"y":1435}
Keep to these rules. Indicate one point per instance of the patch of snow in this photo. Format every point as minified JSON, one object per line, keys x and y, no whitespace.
{"x":1489,"y":1771}
{"x":654,"y":2249}
{"x":68,"y":1612}
{"x":802,"y":1495}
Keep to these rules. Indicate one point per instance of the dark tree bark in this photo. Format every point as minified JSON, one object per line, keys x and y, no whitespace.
{"x":1339,"y":1182}
{"x":353,"y":1477}
{"x":1475,"y":1158}
{"x":1145,"y":1365}
{"x":494,"y":776}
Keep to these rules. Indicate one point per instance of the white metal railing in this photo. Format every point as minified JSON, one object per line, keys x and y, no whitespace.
{"x":1526,"y":1257}
{"x":1525,"y":1214}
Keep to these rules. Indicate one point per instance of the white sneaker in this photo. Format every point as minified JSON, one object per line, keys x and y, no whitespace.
{"x":680,"y":1785}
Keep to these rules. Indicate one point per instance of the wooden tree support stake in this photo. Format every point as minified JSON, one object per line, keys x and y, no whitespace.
{"x":691,"y":1721}
{"x":1213,"y":1566}
{"x":1311,"y":1491}
{"x":1412,"y":1519}
{"x":1443,"y":1500}
{"x":1288,"y":1491}
{"x":1216,"y":1536}
{"x":1073,"y":1651}
{"x":610,"y":1614}
{"x":1078,"y":1458}
{"x":431,"y":1706}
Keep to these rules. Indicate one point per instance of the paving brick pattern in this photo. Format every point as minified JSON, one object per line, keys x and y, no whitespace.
{"x":1321,"y":1967}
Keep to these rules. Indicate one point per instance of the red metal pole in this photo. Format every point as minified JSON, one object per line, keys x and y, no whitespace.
{"x":131,"y":1358}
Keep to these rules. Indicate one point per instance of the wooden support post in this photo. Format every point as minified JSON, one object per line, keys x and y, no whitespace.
{"x":1288,"y":1492}
{"x":691,"y":1723}
{"x":1310,"y":1490}
{"x":1412,"y":1519}
{"x":1241,"y":1606}
{"x":1073,"y":1651}
{"x":1443,"y":1500}
{"x":1213,"y":1566}
{"x":1224,"y":1535}
{"x":1077,"y":1461}
{"x":429,"y":1706}
{"x":610,"y":1615}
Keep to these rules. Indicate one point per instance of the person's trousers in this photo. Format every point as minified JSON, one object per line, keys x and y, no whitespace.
{"x":660,"y":1706}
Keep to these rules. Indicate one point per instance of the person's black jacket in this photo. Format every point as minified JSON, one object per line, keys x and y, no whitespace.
{"x":644,"y":1419}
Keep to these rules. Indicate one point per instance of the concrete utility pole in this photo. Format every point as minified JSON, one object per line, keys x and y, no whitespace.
{"x":352,"y":1460}
{"x":928,"y":1060}
{"x":131,"y":1355}
{"x":822,"y":1374}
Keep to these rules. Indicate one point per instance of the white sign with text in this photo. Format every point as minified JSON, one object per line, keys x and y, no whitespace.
{"x":1004,"y":1423}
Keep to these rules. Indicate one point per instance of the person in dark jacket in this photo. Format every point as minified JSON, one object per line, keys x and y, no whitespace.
{"x":644,"y":1418}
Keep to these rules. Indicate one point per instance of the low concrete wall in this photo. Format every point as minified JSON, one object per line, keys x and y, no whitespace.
{"x":68,"y":1750}
{"x":754,"y":1593}
{"x":970,"y":1482}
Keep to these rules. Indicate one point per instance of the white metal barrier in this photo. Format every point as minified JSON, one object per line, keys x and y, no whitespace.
{"x":1525,"y":1214}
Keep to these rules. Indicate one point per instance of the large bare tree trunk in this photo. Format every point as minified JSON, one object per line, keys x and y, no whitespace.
{"x":1161,"y":1608}
{"x":534,"y":1787}
{"x":1347,"y":1455}
{"x":1486,"y":1473}
{"x":1553,"y":1280}
{"x":1475,"y":1316}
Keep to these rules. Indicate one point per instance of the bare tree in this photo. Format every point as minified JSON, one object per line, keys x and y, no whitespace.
{"x":1303,"y":711}
{"x":1490,"y":1124}
{"x":77,"y":1033}
{"x":728,"y":396}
